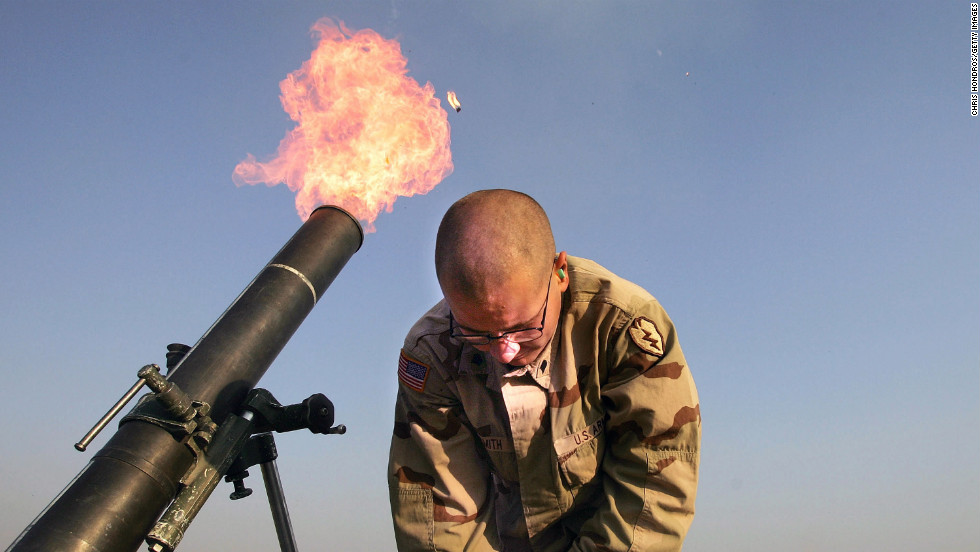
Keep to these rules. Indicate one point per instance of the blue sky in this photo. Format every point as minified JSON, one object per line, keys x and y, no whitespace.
{"x":796,"y":182}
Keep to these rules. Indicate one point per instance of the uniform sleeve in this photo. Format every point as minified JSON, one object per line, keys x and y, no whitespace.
{"x":438,"y":487}
{"x":653,"y":443}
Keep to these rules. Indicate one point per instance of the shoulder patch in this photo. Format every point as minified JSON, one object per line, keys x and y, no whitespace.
{"x":646,"y":336}
{"x":412,"y":373}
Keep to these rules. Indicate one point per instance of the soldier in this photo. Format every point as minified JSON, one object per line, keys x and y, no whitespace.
{"x":544,"y":404}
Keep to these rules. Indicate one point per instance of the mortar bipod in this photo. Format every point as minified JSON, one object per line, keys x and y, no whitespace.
{"x":260,"y":449}
{"x":241,"y":442}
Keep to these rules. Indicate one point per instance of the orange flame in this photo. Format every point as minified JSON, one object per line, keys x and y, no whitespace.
{"x":453,"y":101}
{"x":366,"y":132}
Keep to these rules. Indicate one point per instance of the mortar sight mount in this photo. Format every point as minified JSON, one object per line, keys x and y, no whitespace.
{"x":243,"y":440}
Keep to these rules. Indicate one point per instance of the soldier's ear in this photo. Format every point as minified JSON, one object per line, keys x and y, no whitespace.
{"x":561,"y":263}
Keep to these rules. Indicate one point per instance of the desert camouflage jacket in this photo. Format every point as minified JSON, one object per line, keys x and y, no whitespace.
{"x":595,"y":446}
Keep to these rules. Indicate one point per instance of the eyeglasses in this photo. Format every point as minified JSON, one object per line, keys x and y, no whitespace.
{"x":515,"y":336}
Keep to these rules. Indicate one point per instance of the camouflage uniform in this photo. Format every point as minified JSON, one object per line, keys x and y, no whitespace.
{"x":595,"y":446}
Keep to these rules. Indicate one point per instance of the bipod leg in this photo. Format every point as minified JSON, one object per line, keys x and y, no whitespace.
{"x":277,"y":502}
{"x":315,"y":413}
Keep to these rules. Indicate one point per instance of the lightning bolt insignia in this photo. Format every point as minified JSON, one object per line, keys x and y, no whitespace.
{"x":646,"y":336}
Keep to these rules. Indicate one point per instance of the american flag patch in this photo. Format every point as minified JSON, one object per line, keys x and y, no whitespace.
{"x":412,"y":373}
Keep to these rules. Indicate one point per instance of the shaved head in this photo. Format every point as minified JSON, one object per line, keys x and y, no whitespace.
{"x":489,"y":238}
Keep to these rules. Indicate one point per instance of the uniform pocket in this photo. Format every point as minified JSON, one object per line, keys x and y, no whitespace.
{"x":580,"y":454}
{"x":413,"y":517}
